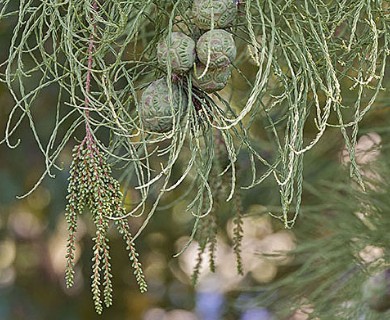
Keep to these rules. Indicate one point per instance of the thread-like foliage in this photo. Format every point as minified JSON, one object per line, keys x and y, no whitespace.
{"x":303,"y":51}
{"x":207,"y":229}
{"x":295,"y":60}
{"x":343,"y":242}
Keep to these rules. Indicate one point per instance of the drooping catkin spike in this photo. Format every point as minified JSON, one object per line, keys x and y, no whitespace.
{"x":102,"y":253}
{"x":202,"y":238}
{"x":91,"y":185}
{"x":122,"y":225}
{"x":238,"y":230}
{"x":99,"y":205}
{"x":107,"y":275}
{"x":75,"y":206}
{"x":123,"y":228}
{"x":212,"y":240}
{"x":198,"y":265}
{"x":206,"y":234}
{"x":71,"y":218}
{"x":96,"y":277}
{"x":212,"y":218}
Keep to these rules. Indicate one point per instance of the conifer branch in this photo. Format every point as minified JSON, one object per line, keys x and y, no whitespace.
{"x":100,"y":56}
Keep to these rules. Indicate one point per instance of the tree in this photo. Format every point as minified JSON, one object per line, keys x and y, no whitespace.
{"x":298,"y":68}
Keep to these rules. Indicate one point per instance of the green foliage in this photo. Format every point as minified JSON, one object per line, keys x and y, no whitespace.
{"x":92,"y":186}
{"x":207,"y":228}
{"x":303,"y":51}
{"x":343,"y":241}
{"x":295,"y":60}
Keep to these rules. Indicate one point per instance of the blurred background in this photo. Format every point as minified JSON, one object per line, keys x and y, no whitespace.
{"x":33,"y":234}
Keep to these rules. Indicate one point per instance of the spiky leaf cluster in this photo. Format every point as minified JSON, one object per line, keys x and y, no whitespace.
{"x":92,"y":187}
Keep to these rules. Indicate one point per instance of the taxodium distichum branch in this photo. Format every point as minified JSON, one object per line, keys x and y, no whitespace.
{"x":203,"y":88}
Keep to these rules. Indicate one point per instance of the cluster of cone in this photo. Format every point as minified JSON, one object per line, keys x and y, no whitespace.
{"x":208,"y":60}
